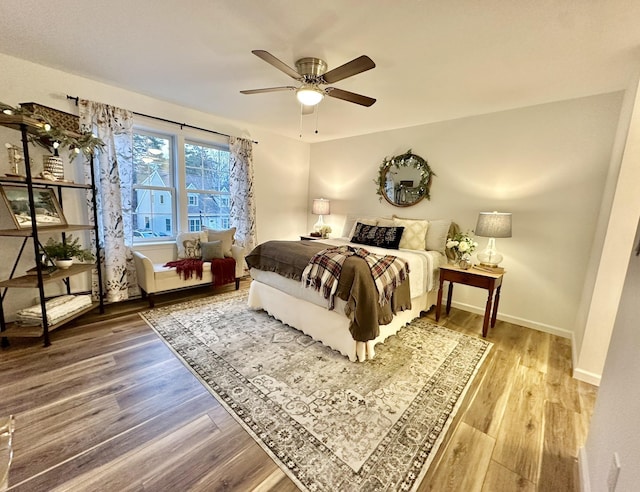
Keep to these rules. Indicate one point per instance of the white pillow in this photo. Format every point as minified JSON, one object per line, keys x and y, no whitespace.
{"x":224,"y":235}
{"x":414,"y":235}
{"x":437,"y":235}
{"x":384,"y":222}
{"x":188,"y":244}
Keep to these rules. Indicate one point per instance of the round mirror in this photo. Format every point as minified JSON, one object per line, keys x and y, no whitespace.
{"x":404,"y":180}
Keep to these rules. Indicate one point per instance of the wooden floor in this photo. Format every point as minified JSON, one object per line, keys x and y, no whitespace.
{"x":108,"y":407}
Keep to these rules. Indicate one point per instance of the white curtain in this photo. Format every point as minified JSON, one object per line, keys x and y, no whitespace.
{"x":113,"y":167}
{"x":243,"y":208}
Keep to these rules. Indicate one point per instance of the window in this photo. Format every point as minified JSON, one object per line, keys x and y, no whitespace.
{"x":152,"y":177}
{"x":161,"y":178}
{"x":195,"y":225}
{"x":207,"y":174}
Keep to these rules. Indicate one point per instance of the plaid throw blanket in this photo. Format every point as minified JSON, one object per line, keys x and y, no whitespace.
{"x":388,"y":272}
{"x":324,"y":268}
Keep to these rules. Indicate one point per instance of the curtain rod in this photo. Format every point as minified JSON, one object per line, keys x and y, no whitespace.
{"x":181,"y":125}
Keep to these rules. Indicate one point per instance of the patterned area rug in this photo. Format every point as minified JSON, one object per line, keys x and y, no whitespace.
{"x":329,"y":423}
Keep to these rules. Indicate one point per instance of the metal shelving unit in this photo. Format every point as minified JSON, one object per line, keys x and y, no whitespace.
{"x":38,"y":280}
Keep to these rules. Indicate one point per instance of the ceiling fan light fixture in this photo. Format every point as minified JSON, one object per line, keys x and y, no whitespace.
{"x":309,"y":96}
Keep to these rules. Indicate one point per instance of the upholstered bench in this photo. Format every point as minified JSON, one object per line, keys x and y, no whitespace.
{"x":154,"y":278}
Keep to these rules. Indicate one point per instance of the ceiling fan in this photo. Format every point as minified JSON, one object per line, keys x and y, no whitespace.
{"x":312,"y":73}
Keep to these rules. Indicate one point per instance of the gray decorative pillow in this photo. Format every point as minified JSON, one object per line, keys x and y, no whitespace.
{"x":437,"y":235}
{"x":225,"y":235}
{"x":211,"y":250}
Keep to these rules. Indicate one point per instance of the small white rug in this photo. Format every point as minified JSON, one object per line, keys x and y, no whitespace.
{"x":329,"y":423}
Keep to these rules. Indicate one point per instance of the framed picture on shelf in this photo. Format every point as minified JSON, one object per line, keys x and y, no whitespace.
{"x":48,"y":210}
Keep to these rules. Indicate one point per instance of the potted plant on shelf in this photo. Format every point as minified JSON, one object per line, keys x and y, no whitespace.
{"x":62,"y":253}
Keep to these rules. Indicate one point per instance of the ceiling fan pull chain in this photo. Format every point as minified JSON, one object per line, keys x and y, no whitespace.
{"x":301,"y":112}
{"x":317,"y":109}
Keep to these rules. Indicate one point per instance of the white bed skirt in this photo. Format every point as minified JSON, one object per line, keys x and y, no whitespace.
{"x":330,"y":327}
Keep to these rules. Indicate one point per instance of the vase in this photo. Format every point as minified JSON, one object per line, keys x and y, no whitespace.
{"x":63,"y":264}
{"x":465,"y":262}
{"x":53,"y":164}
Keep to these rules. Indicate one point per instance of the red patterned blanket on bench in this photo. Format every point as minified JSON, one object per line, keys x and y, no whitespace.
{"x":223,"y":270}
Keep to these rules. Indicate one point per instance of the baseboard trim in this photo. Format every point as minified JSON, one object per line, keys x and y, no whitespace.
{"x":553,"y":330}
{"x":587,"y":377}
{"x":583,"y":471}
{"x":579,"y":374}
{"x":574,"y":353}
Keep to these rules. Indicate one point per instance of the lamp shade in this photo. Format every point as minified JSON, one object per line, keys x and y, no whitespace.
{"x":493,"y":224}
{"x":309,"y":96}
{"x":321,"y":207}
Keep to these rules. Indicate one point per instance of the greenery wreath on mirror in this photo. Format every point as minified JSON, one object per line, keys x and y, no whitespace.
{"x":408,"y":159}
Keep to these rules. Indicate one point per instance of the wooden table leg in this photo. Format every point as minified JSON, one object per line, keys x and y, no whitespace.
{"x":487,"y":314}
{"x":449,"y":297}
{"x":495,"y":307}
{"x":439,"y":303}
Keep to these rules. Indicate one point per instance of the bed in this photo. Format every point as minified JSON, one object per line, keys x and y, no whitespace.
{"x":284,"y":296}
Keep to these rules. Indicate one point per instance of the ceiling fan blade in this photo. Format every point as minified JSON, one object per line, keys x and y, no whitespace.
{"x":356,"y":66}
{"x":280,"y":65}
{"x":350,"y":96}
{"x":270,"y":89}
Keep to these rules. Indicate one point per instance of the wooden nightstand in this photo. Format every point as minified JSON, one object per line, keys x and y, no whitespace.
{"x":474,"y":278}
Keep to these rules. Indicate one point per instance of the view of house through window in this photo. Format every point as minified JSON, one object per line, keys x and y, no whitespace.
{"x":153,"y":187}
{"x":156,"y":205}
{"x":207,"y":182}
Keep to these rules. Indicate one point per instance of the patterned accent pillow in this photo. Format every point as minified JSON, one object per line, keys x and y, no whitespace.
{"x":382,"y":237}
{"x":350,"y":224}
{"x":415,"y":233}
{"x":188,"y":244}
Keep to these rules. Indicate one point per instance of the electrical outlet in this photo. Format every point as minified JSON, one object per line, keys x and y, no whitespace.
{"x":614,"y":472}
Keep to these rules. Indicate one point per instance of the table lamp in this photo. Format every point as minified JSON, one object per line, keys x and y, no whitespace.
{"x":320,"y":207}
{"x":492,"y":225}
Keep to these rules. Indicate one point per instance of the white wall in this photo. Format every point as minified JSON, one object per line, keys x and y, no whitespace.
{"x":595,"y":259}
{"x":614,"y":423}
{"x":601,"y":301}
{"x":281,"y":164}
{"x":546,"y":164}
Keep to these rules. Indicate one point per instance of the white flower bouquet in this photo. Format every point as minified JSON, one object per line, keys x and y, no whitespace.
{"x":462,"y":244}
{"x":324,"y":231}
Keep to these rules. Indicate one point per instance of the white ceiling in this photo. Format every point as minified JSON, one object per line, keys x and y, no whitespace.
{"x":435,"y":60}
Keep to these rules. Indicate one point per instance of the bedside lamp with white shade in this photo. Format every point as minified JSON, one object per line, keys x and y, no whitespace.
{"x":320,"y":207}
{"x":492,"y":225}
